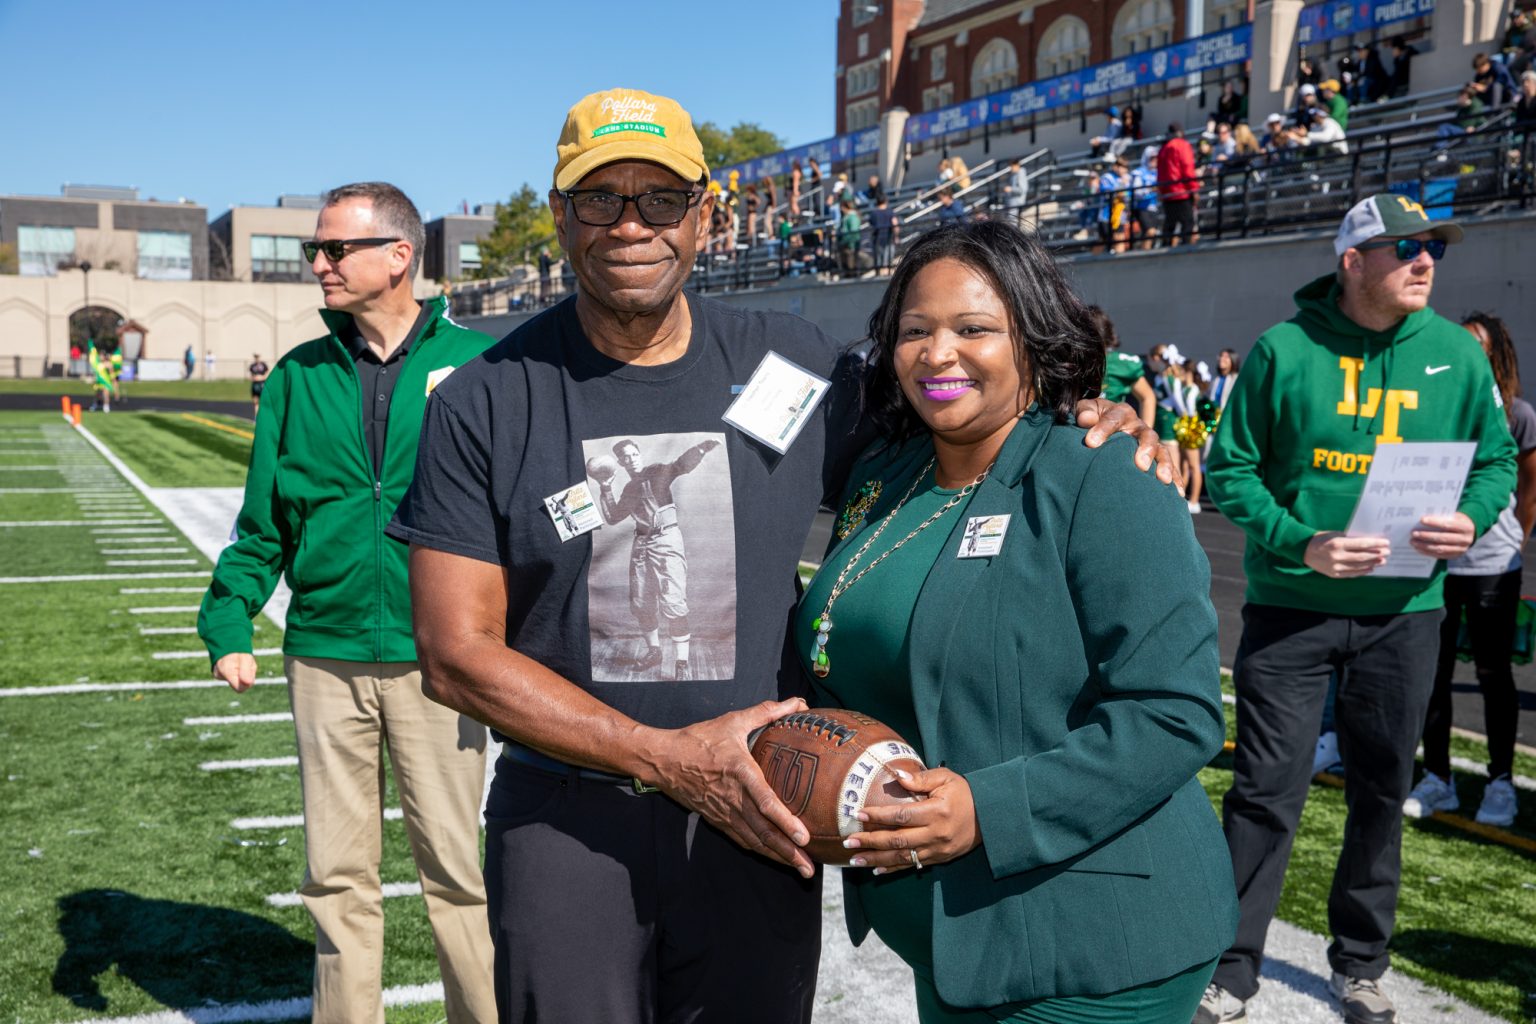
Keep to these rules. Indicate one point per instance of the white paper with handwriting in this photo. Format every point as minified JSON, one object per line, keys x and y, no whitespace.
{"x":1408,"y":481}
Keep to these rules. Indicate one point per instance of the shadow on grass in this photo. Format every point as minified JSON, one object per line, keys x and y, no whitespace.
{"x":181,"y":954}
{"x":1473,"y":958}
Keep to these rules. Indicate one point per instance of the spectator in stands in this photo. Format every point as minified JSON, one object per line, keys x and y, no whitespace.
{"x":874,"y":192}
{"x":1269,"y":477}
{"x":770,"y":195}
{"x":1232,"y":108}
{"x":962,"y":173}
{"x":815,"y":183}
{"x":1016,"y":192}
{"x":1469,"y":117}
{"x":884,"y":230}
{"x":1307,"y":72}
{"x":841,"y":190}
{"x":1306,"y":99}
{"x":1349,"y":70}
{"x":1326,"y":132}
{"x":1248,"y":148}
{"x":1112,"y":130}
{"x":1276,"y":139}
{"x":754,"y":203}
{"x":951,"y":209}
{"x":796,"y":178}
{"x":1087,"y":208}
{"x":1520,"y":42}
{"x":1329,"y":94}
{"x":1372,"y":82}
{"x":1224,"y":146}
{"x":1144,"y":207}
{"x":945,"y":173}
{"x":1178,"y":183}
{"x":1525,"y":107}
{"x":1114,"y":183}
{"x":1492,"y":82}
{"x":1484,"y":586}
{"x":1130,"y":130}
{"x":850,"y":238}
{"x":1403,"y":53}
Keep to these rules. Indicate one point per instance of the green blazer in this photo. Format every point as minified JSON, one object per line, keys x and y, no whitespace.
{"x":1080,"y":712}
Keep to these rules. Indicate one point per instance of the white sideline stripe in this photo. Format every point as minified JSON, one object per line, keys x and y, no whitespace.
{"x":100,"y":576}
{"x":1463,"y":764}
{"x":297,"y":820}
{"x":161,"y":590}
{"x":389,"y":890}
{"x":277,"y":1009}
{"x":134,"y":529}
{"x":41,"y":490}
{"x":136,"y":540}
{"x":144,"y":551}
{"x":151,"y":561}
{"x":121,"y":517}
{"x":260,"y":652}
{"x":167,"y":630}
{"x":65,"y":689}
{"x":50,"y":468}
{"x":70,"y":522}
{"x":165,"y":610}
{"x":290,"y":761}
{"x":269,"y":716}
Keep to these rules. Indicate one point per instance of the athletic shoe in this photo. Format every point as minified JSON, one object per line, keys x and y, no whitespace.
{"x":1362,"y":1000}
{"x":1431,"y":795}
{"x":682,"y":670}
{"x":1325,"y":758}
{"x":1194,"y":508}
{"x":1218,"y":1006}
{"x":1498,"y":806}
{"x":650,"y":659}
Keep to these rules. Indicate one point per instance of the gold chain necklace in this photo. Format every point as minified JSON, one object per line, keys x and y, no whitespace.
{"x":822,"y":624}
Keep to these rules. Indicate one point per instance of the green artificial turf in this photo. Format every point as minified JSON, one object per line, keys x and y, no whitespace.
{"x":198,"y":390}
{"x":169,"y":449}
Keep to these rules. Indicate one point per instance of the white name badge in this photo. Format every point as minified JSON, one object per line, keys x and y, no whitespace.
{"x":573,"y":512}
{"x":776,"y":403}
{"x":983,"y":536}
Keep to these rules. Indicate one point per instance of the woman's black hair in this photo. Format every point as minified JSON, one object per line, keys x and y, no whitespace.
{"x":1501,"y":356}
{"x":1056,"y":345}
{"x":1237,"y":360}
{"x":1104,"y":327}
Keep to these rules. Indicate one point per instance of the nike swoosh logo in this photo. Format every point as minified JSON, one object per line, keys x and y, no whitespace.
{"x":1432,"y":370}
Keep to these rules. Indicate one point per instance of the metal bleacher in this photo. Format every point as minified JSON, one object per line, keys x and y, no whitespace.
{"x":1394,"y":145}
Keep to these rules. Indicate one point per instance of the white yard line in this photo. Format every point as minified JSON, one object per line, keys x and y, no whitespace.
{"x":277,"y":1009}
{"x":167,"y":631}
{"x":167,"y":610}
{"x":290,"y":761}
{"x":297,"y":820}
{"x":389,"y":891}
{"x":69,"y":522}
{"x":269,"y":716}
{"x":100,"y":576}
{"x":260,"y":652}
{"x":116,"y":539}
{"x":40,"y":490}
{"x":1463,"y":764}
{"x":67,"y":689}
{"x":148,"y":551}
{"x":130,"y":562}
{"x":161,"y":590}
{"x":133,"y":529}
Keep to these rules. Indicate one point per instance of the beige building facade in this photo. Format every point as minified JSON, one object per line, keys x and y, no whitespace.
{"x":261,"y":243}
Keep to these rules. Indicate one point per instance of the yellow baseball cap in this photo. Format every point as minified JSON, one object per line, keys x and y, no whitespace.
{"x":627,"y":124}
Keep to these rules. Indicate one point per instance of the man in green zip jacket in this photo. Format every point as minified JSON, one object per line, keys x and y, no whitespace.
{"x":1365,"y":363}
{"x":334,"y":452}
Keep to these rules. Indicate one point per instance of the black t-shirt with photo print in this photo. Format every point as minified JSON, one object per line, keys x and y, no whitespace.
{"x":675,"y":608}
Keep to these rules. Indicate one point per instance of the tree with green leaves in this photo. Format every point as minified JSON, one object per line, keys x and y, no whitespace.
{"x":8,"y":261}
{"x":523,"y":224}
{"x":743,"y":142}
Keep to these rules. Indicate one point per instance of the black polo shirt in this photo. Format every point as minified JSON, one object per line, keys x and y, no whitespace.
{"x":378,"y":381}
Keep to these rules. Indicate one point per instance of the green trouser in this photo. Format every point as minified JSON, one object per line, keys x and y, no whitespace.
{"x":1170,"y":1001}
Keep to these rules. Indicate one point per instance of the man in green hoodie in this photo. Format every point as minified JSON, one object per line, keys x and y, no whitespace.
{"x":334,"y":452}
{"x":1365,"y":362}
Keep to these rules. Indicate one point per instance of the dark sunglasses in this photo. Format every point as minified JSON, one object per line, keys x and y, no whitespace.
{"x":660,"y":208}
{"x":1409,"y":248}
{"x":336,"y":248}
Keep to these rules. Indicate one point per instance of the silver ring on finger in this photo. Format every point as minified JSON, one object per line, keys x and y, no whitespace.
{"x":917,"y":862}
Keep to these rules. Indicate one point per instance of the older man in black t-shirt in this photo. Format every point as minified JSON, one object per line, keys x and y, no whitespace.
{"x":638,"y":865}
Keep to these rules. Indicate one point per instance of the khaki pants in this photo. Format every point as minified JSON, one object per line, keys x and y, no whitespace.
{"x":344,"y":713}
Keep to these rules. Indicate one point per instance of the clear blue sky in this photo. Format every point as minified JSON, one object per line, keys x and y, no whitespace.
{"x":233,"y":103}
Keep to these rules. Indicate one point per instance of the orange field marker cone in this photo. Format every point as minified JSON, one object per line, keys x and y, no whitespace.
{"x":75,"y":413}
{"x":65,"y":404}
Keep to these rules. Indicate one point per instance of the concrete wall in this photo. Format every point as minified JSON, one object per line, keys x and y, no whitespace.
{"x":1209,"y":297}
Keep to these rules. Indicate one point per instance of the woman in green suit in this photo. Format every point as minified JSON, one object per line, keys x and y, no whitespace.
{"x":1064,"y":864}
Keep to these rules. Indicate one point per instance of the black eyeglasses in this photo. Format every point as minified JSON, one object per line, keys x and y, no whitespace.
{"x":1409,"y":248}
{"x":336,"y":248}
{"x":660,"y":208}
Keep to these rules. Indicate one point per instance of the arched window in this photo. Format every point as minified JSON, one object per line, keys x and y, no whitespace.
{"x":1063,"y":48}
{"x":1143,"y":25}
{"x":1223,"y":14}
{"x":996,"y":68}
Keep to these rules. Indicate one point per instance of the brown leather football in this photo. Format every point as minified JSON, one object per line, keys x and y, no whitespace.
{"x":827,"y":764}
